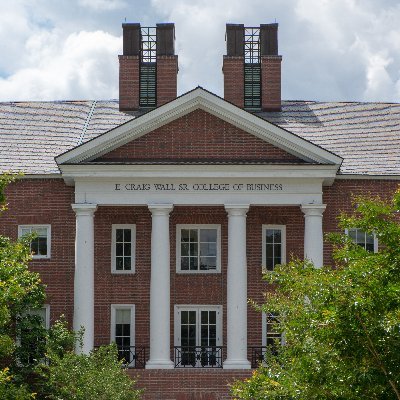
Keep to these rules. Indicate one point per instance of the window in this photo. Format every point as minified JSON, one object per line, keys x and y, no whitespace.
{"x":40,"y":246}
{"x":198,"y":336}
{"x":31,"y":335}
{"x":122,"y":331}
{"x":368,"y":241}
{"x":272,"y":337}
{"x":198,"y":248}
{"x":123,"y":249}
{"x":274,"y":246}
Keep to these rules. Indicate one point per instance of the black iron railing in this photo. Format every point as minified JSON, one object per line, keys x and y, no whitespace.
{"x":198,"y":356}
{"x":133,"y":356}
{"x":258,"y":355}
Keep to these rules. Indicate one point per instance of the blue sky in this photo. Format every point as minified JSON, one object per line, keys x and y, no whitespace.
{"x":333,"y":50}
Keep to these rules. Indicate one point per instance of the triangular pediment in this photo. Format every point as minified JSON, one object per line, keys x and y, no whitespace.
{"x":204,"y":127}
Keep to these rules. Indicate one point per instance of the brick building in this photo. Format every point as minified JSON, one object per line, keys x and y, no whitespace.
{"x":157,"y":215}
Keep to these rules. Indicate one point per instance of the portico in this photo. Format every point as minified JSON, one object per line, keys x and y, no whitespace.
{"x":236,"y":185}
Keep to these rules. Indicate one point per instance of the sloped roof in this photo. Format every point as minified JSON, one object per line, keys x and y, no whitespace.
{"x":366,"y":135}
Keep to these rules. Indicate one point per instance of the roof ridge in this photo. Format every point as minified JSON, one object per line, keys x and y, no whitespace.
{"x":89,"y":117}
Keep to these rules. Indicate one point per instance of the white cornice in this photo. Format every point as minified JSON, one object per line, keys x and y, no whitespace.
{"x":199,"y":99}
{"x":92,"y":172}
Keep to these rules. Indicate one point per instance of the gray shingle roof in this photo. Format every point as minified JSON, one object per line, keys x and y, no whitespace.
{"x":366,"y":135}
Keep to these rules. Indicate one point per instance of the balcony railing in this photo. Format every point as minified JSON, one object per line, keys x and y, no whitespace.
{"x":258,"y":355}
{"x":198,"y":357}
{"x":133,"y":356}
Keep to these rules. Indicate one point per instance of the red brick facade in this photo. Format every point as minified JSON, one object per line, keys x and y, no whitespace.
{"x":199,"y":135}
{"x":48,"y":201}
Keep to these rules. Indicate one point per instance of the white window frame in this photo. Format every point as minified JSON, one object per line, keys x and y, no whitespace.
{"x":201,"y":307}
{"x":264,"y":331}
{"x":114,"y":228}
{"x":346,"y":231}
{"x":114,"y":308}
{"x":46,"y":322}
{"x":179,"y":228}
{"x":32,"y":227}
{"x":282,"y":228}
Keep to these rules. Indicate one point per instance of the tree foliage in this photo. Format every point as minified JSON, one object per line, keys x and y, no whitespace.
{"x":341,"y":324}
{"x":39,"y":364}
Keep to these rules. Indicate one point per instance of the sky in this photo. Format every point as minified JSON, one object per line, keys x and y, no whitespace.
{"x":333,"y":50}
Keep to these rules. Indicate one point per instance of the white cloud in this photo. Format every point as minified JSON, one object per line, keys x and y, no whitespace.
{"x":103,"y":4}
{"x":83,"y":66}
{"x":332,"y":50}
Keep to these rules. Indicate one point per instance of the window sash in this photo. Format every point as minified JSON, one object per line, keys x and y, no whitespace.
{"x":274,"y":246}
{"x":198,"y":248}
{"x":367,"y":241}
{"x":123,"y":248}
{"x":41,"y":245}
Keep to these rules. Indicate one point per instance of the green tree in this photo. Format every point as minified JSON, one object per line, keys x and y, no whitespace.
{"x":43,"y":365}
{"x":341,"y":324}
{"x":20,"y":290}
{"x":69,"y":376}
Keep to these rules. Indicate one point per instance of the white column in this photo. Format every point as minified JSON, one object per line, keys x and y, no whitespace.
{"x":160,"y":288}
{"x":84,"y":274}
{"x":313,"y":236}
{"x":237,"y":289}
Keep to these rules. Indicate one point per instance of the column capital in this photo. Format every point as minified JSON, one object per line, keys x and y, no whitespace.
{"x":84,"y":208}
{"x":237,"y":209}
{"x":160,"y":209}
{"x":315,"y":210}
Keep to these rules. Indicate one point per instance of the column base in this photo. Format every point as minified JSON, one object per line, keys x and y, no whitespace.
{"x":237,"y":364}
{"x":160,"y":364}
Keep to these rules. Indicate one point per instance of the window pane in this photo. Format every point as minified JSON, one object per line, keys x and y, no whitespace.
{"x":184,"y":317}
{"x":269,"y":264}
{"x":42,"y":246}
{"x":369,"y":247}
{"x":35,"y":246}
{"x":119,"y":249}
{"x":184,"y":249}
{"x":126,"y":329}
{"x":208,"y":249}
{"x":127,"y":249}
{"x":42,"y":232}
{"x":184,"y":235}
{"x":277,"y":235}
{"x":118,"y":330}
{"x":207,"y":263}
{"x":269,"y":236}
{"x":123,"y":316}
{"x":213,"y":317}
{"x":127,"y":235}
{"x":277,"y":251}
{"x":192,"y":317}
{"x":26,"y":231}
{"x":193,"y":235}
{"x":127,"y":263}
{"x":353,"y":235}
{"x":193,"y":249}
{"x":119,"y":263}
{"x":204,"y":317}
{"x":269,"y":250}
{"x":185,"y":263}
{"x":208,"y":235}
{"x":119,"y":235}
{"x":193,"y":263}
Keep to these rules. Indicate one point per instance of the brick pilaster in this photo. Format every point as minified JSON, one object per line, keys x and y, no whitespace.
{"x":233,"y":70}
{"x":167,"y":76}
{"x":271,"y":83}
{"x":128,"y":82}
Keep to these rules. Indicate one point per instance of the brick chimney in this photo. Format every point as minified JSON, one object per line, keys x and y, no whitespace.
{"x":148,"y":67}
{"x":252,"y":67}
